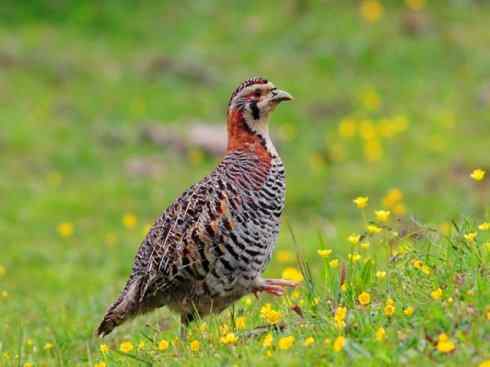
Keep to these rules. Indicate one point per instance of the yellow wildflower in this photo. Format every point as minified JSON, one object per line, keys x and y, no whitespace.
{"x":380,"y":274}
{"x":163,"y":345}
{"x":367,"y":131}
{"x":361,"y":201}
{"x":354,"y":238}
{"x":265,"y":309}
{"x":241,"y":322}
{"x":270,"y":315}
{"x":471,"y":236}
{"x":339,"y":317}
{"x":273,"y":317}
{"x":268,"y":340}
{"x":373,"y":151}
{"x":48,"y":346}
{"x":126,"y":347}
{"x":364,"y":298}
{"x":28,"y":364}
{"x":340,"y":313}
{"x":418,"y":264}
{"x":100,"y":364}
{"x":343,"y":287}
{"x":364,"y":245}
{"x":286,"y":342}
{"x":485,"y":363}
{"x":373,"y":229}
{"x":65,"y":229}
{"x":415,"y":4}
{"x":389,"y":309}
{"x":436,"y":294}
{"x":355,"y":257}
{"x":347,"y":128}
{"x":284,"y":256}
{"x":292,"y":274}
{"x":309,"y":341}
{"x":195,"y":346}
{"x":371,"y":10}
{"x":408,"y":311}
{"x":477,"y":174}
{"x":426,"y":269}
{"x":484,"y":226}
{"x":229,"y":339}
{"x":392,"y":198}
{"x":334,"y":263}
{"x":129,"y":221}
{"x":487,"y":313}
{"x":340,"y":324}
{"x":380,"y":334}
{"x":324,"y":253}
{"x":444,"y":344}
{"x":339,"y":344}
{"x":382,"y":215}
{"x":104,"y":348}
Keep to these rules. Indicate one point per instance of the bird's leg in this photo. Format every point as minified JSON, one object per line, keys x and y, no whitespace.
{"x":273,"y":286}
{"x":185,"y":320}
{"x":232,"y":315}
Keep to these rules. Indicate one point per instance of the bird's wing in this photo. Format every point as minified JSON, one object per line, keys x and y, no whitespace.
{"x":183,"y":239}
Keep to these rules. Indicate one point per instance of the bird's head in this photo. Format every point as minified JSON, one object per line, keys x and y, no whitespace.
{"x":250,"y":105}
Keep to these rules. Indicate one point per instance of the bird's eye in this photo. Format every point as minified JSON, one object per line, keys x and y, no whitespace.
{"x":257,"y":92}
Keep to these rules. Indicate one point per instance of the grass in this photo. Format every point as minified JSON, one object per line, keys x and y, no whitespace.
{"x":396,"y":110}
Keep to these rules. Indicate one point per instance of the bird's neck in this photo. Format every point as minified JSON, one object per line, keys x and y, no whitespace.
{"x":243,"y":137}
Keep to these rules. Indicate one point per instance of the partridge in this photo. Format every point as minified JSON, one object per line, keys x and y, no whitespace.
{"x":210,"y":247}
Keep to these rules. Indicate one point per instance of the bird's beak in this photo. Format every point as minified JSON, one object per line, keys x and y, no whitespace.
{"x":280,"y":95}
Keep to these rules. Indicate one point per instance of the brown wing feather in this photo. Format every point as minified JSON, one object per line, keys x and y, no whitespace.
{"x":180,"y":240}
{"x":186,"y":240}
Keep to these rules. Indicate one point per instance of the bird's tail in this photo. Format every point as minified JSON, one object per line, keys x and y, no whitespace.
{"x":126,"y":307}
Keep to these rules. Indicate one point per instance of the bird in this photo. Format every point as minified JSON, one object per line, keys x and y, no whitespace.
{"x":211,"y":245}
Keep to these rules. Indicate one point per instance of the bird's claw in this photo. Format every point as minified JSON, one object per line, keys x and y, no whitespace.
{"x":275,"y":287}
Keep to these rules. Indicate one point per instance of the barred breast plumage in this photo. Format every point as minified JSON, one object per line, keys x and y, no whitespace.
{"x":211,"y":245}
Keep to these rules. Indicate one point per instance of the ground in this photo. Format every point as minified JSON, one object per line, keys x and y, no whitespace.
{"x":392,"y":102}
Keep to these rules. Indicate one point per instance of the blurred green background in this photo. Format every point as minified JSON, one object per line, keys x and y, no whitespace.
{"x":108,"y":111}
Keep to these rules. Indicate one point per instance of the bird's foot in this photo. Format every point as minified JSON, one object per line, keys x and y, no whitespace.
{"x":276,"y":287}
